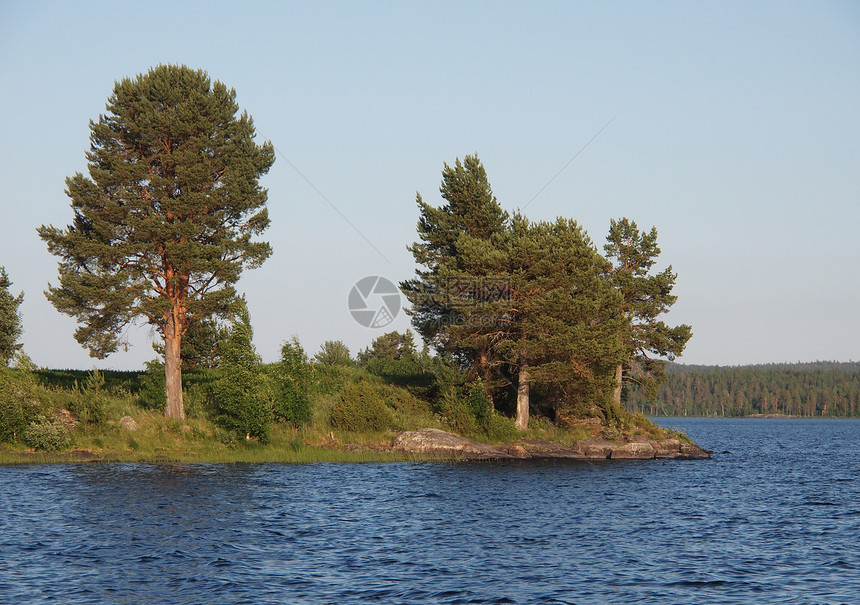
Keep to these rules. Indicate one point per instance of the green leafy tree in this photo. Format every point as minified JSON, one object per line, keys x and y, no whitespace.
{"x":333,"y":353}
{"x":450,"y":286}
{"x":163,"y":223}
{"x":392,"y":346}
{"x":239,"y":396}
{"x":10,"y":319}
{"x":645,"y":296}
{"x":293,"y":377}
{"x":393,"y":357}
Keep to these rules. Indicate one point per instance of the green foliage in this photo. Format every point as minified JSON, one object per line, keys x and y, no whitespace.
{"x":240,"y":394}
{"x":19,"y":402}
{"x":333,"y":353}
{"x":457,"y":413}
{"x":292,"y":376}
{"x":393,"y":358}
{"x":10,"y":319}
{"x":114,"y":380}
{"x":644,"y":298}
{"x":48,"y":434}
{"x":500,"y":428}
{"x":452,"y":291}
{"x":163,"y":224}
{"x":240,"y":402}
{"x":466,"y":409}
{"x":172,"y":189}
{"x":201,"y":344}
{"x":360,"y":408}
{"x":391,"y":346}
{"x":478,"y":402}
{"x":89,"y":405}
{"x":152,"y":394}
{"x":510,"y":300}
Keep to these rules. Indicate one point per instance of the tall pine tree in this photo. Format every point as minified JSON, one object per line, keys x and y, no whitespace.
{"x":557,"y":326}
{"x":644,"y":298}
{"x":163,"y":223}
{"x":449,"y":290}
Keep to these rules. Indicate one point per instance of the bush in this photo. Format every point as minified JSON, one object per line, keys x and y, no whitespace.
{"x":500,"y":428}
{"x":360,"y":408}
{"x":48,"y":434}
{"x":239,"y":402}
{"x":19,"y":405}
{"x":292,"y":375}
{"x":457,"y":413}
{"x":152,"y":394}
{"x":334,"y":353}
{"x":89,"y":404}
{"x":240,"y":395}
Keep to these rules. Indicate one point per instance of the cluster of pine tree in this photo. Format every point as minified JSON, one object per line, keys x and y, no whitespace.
{"x":532,"y":309}
{"x":818,"y":389}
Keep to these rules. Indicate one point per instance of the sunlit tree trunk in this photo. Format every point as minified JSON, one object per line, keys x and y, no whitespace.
{"x":173,"y":367}
{"x":522,"y":421}
{"x":616,"y":393}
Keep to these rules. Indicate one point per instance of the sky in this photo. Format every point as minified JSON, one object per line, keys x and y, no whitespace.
{"x":732,"y":127}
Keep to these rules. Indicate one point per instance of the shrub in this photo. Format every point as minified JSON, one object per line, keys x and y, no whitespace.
{"x":89,"y":404}
{"x":239,"y":402}
{"x":500,"y":428}
{"x":239,"y":396}
{"x":360,"y":408}
{"x":457,"y":412}
{"x":334,"y":353}
{"x":19,"y":404}
{"x":152,"y":394}
{"x":48,"y":434}
{"x":292,"y":375}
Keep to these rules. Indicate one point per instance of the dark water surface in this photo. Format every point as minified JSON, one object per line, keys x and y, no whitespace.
{"x":775,"y":521}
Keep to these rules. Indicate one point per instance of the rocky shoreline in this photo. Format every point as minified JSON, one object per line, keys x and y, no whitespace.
{"x":438,"y":443}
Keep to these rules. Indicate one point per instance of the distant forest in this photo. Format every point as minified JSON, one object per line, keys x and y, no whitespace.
{"x":819,"y":389}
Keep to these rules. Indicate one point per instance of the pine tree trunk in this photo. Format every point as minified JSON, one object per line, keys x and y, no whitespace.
{"x":173,"y":369}
{"x":616,"y":393}
{"x":522,"y":420}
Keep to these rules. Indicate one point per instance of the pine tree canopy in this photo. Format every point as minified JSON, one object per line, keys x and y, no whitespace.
{"x":163,"y":223}
{"x":644,"y":298}
{"x":10,"y":319}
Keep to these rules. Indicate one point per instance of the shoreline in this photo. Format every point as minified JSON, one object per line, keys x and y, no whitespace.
{"x":424,"y":445}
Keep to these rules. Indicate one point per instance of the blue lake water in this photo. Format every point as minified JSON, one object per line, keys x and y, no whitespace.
{"x":777,"y":520}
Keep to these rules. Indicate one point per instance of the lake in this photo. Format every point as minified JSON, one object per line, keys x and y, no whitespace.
{"x":776,"y":520}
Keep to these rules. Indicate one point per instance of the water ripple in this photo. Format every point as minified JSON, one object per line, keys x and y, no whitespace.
{"x":766,"y":523}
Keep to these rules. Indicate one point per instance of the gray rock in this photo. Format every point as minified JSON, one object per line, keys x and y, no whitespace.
{"x":691,"y":450}
{"x":128,"y":423}
{"x":637,"y":450}
{"x":538,"y":448}
{"x":594,"y":448}
{"x":667,"y":448}
{"x":435,"y":441}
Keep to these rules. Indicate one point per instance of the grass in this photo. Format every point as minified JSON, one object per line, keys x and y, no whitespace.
{"x":198,"y":440}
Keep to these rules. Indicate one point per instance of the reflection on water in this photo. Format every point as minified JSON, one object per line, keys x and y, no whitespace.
{"x":777,"y":519}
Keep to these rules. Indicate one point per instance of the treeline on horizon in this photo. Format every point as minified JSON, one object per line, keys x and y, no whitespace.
{"x":810,"y":390}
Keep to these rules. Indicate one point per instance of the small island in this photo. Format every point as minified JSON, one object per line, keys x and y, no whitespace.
{"x":531,"y":337}
{"x":339,"y":412}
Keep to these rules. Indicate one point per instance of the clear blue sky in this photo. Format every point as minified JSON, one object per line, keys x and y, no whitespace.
{"x":736,"y":133}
